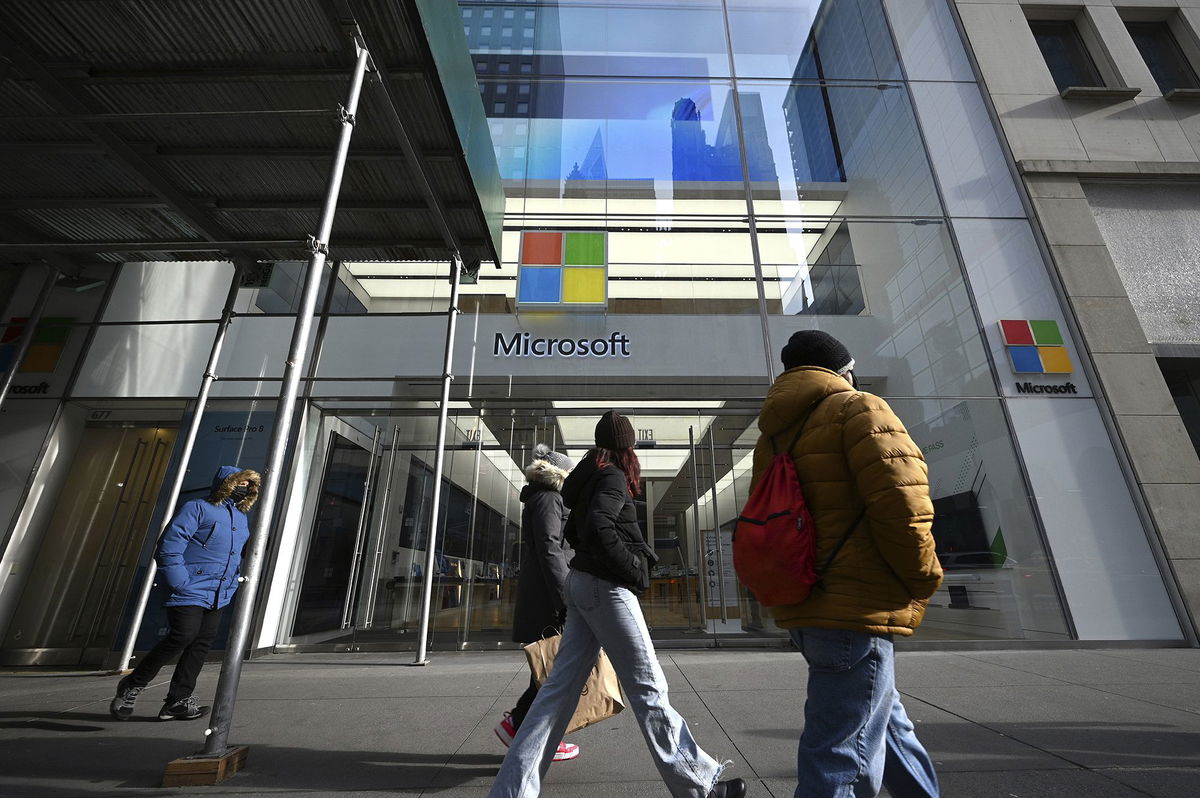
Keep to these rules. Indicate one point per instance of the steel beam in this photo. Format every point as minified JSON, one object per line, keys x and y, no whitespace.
{"x":101,"y":247}
{"x":227,"y":205}
{"x":438,"y":461}
{"x":90,"y":75}
{"x":217,"y":735}
{"x":260,"y":153}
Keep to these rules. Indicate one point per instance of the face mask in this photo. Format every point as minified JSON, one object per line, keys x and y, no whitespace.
{"x":239,"y":492}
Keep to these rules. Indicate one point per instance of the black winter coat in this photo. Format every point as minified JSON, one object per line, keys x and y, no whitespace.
{"x":542,"y":584}
{"x":603,"y":527}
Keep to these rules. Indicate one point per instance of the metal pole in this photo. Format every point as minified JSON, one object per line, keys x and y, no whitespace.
{"x":700,"y":571}
{"x":31,"y":324}
{"x":231,"y":669}
{"x":189,"y":442}
{"x":466,"y":626}
{"x":431,"y":547}
{"x":712,"y":455}
{"x":360,"y":534}
{"x":373,"y":579}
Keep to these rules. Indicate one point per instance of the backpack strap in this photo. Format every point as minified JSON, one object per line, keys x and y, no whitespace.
{"x":799,"y":432}
{"x":838,"y":548}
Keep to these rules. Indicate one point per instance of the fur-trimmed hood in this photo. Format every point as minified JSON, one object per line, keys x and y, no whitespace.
{"x":227,"y":477}
{"x":543,"y":472}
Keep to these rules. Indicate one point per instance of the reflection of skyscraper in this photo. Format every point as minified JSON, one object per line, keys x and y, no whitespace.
{"x":594,"y":166}
{"x":509,"y":46}
{"x":687,"y":141}
{"x":812,"y":135}
{"x":759,"y":157}
{"x":693,"y":158}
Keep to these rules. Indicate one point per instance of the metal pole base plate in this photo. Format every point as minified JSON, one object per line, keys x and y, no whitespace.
{"x":190,"y":771}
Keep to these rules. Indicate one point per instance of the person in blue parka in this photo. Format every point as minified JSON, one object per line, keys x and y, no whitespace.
{"x":198,"y":557}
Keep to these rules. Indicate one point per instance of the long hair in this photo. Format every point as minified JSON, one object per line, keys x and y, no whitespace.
{"x":627,"y":461}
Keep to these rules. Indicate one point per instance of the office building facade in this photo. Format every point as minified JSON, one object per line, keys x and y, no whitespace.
{"x":686,"y":184}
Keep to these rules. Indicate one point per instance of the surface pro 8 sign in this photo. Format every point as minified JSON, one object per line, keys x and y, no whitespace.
{"x":563,"y":270}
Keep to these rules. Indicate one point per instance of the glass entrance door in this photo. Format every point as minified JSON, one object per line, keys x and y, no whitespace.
{"x":371,"y":571}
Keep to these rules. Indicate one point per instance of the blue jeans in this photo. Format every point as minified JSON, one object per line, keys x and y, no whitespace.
{"x":856,"y":736}
{"x":600,"y":613}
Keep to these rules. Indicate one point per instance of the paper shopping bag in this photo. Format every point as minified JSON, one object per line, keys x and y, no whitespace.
{"x":601,"y":695}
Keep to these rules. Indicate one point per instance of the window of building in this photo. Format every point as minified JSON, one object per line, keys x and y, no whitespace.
{"x":485,"y":30}
{"x":1065,"y":53}
{"x":1162,"y":53}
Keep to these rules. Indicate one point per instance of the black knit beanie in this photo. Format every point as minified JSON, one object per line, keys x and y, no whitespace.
{"x":614,"y":431}
{"x":816,"y":348}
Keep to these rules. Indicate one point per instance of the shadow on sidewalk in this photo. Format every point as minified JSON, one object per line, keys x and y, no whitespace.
{"x":93,"y":764}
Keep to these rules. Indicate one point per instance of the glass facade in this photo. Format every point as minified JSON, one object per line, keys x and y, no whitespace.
{"x":743,"y":169}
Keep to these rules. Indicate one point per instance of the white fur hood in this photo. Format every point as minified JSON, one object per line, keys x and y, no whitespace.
{"x":543,"y":472}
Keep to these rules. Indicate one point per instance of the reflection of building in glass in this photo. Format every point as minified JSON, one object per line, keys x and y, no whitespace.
{"x":693,"y":158}
{"x":812,"y":136}
{"x":502,"y":46}
{"x":593,"y":167}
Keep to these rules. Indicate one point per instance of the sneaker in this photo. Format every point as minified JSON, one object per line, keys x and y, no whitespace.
{"x":184,"y":709}
{"x":505,"y":730}
{"x":566,"y":751}
{"x":122,"y":706}
{"x":734,"y":788}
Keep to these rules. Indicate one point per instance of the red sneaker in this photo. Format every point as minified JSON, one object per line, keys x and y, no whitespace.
{"x":505,"y":730}
{"x":566,"y":751}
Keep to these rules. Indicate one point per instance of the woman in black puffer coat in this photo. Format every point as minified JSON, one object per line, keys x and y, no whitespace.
{"x":541,"y":599}
{"x":611,"y":565}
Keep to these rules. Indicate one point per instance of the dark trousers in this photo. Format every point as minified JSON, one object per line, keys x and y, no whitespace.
{"x":524,"y":703}
{"x":192,"y":630}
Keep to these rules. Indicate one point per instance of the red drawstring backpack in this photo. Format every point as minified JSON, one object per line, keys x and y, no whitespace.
{"x":775,"y":540}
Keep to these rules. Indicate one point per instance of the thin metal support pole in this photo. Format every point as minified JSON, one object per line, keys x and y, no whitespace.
{"x":185,"y":456}
{"x":221,"y":720}
{"x":712,"y":461}
{"x":377,"y":557}
{"x":700,"y":564}
{"x":31,"y":324}
{"x":360,"y":535}
{"x":439,"y":457}
{"x":469,"y":603}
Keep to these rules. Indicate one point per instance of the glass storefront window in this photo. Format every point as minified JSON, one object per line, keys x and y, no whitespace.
{"x":812,"y":39}
{"x":677,"y":38}
{"x":836,"y":149}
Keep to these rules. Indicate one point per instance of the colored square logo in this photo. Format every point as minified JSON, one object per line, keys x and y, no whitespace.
{"x":1025,"y":359}
{"x":563,"y":270}
{"x":1055,"y":359}
{"x":1046,"y":333}
{"x":1035,"y":346}
{"x":541,"y":285}
{"x":584,"y":285}
{"x":542,"y":248}
{"x":44,"y":349}
{"x":585,"y":249}
{"x":1016,"y":333}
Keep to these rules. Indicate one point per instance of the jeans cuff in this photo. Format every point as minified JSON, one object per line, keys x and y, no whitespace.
{"x":721,"y":768}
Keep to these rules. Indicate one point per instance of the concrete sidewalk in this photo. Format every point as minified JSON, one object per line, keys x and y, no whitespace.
{"x":1102,"y":723}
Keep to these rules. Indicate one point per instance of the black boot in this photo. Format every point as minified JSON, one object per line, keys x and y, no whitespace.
{"x":734,"y":788}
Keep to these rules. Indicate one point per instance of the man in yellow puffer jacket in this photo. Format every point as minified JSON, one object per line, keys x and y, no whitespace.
{"x":867,"y":487}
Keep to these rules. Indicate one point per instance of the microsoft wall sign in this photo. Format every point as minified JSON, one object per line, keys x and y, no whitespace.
{"x":562,"y":270}
{"x":1037,"y":347}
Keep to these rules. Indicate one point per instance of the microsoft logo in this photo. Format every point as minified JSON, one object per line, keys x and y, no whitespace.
{"x":44,"y":350}
{"x":1035,"y":347}
{"x":563,"y":270}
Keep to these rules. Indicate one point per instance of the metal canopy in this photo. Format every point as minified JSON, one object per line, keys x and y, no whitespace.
{"x":197,"y":129}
